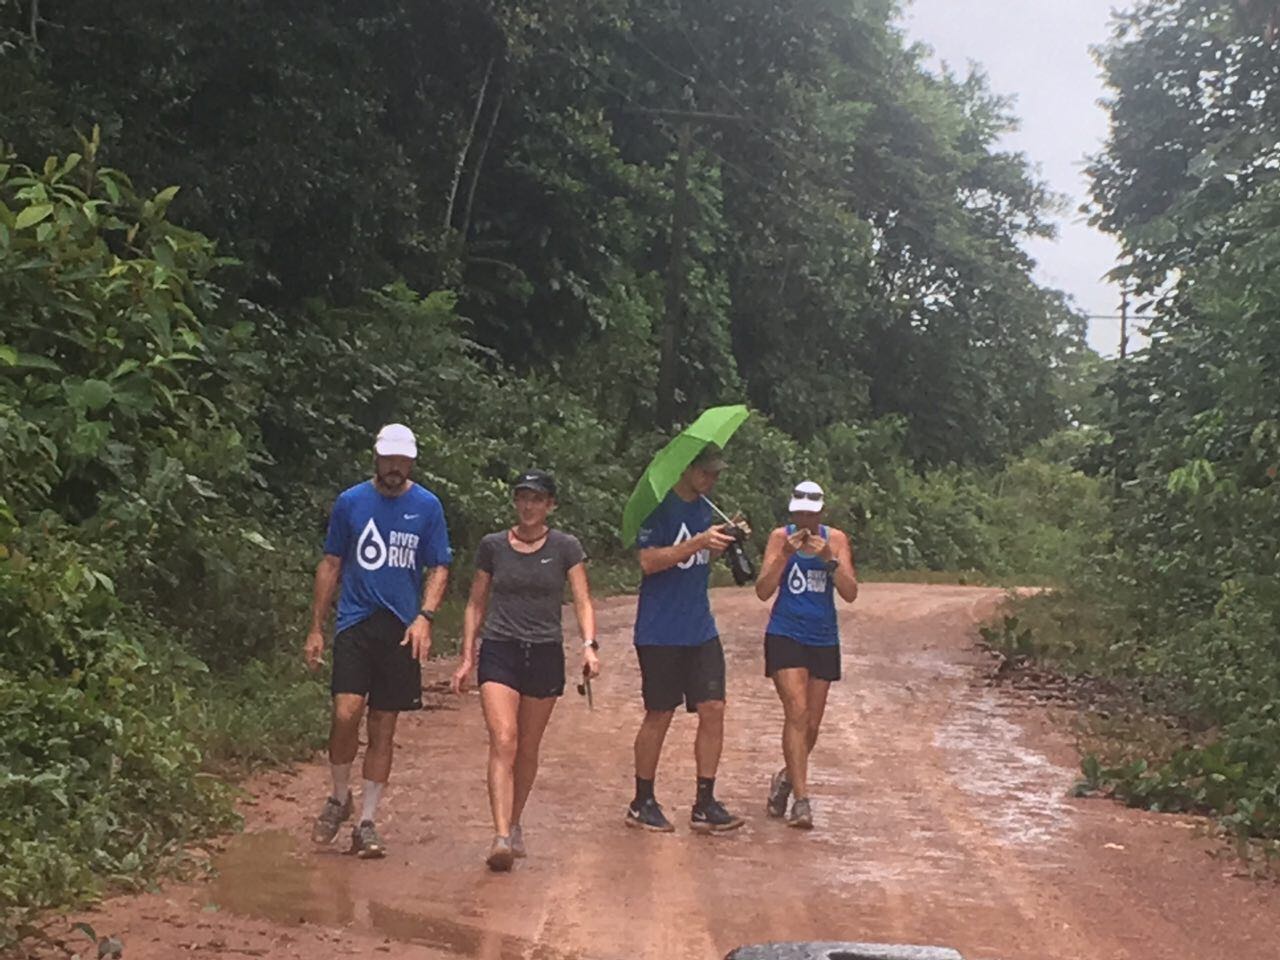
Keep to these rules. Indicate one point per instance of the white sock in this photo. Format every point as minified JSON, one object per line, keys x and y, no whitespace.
{"x":371,"y":794}
{"x":341,"y":773}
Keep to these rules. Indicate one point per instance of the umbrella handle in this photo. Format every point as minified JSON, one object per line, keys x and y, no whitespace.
{"x":723,"y":515}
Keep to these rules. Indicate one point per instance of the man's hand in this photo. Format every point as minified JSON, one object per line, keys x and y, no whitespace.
{"x":418,"y":638}
{"x":314,"y":649}
{"x":794,"y":542}
{"x":462,"y":675}
{"x":740,"y":521}
{"x":714,"y":539}
{"x":590,"y":663}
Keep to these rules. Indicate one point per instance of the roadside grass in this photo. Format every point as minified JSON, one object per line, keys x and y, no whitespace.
{"x":1137,"y":745}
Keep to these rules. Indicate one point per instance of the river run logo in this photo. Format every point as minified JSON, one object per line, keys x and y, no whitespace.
{"x":374,"y":553}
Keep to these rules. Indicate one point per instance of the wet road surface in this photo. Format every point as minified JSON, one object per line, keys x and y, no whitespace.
{"x":942,"y":808}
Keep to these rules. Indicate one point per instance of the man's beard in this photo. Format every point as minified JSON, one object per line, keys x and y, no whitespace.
{"x":392,"y":479}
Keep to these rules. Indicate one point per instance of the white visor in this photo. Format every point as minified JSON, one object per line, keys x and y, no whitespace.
{"x":806,"y":498}
{"x":396,"y":440}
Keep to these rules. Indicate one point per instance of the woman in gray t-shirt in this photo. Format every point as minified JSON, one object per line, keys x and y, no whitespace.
{"x":514,"y":610}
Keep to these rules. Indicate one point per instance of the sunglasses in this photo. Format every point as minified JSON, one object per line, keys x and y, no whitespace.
{"x":805,"y":495}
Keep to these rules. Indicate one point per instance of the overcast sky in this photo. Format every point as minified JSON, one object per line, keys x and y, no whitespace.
{"x":1038,"y":52}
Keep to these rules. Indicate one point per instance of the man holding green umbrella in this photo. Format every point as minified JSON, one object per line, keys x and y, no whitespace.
{"x":677,"y":642}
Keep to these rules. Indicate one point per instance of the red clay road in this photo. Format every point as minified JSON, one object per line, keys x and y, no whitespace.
{"x":942,"y":810}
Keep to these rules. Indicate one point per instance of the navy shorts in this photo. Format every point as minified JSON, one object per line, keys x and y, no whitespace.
{"x":672,"y":674}
{"x":783,"y":653}
{"x":368,"y":659}
{"x":530,"y":669}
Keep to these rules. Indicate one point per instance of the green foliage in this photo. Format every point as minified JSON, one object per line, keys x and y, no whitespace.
{"x":125,"y":392}
{"x":1189,"y":184}
{"x":854,"y":243}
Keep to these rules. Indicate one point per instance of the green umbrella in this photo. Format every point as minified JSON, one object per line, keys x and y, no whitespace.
{"x":716,"y":426}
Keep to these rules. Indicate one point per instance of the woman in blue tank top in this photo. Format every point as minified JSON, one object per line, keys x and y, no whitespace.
{"x":806,"y":564}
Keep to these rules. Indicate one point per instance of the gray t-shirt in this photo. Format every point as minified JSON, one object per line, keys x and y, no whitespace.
{"x":528,"y":588}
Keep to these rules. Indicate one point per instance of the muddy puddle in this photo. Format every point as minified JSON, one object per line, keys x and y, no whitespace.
{"x":273,"y":876}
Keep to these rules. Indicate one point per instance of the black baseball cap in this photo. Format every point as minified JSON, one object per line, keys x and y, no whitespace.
{"x":538,"y":480}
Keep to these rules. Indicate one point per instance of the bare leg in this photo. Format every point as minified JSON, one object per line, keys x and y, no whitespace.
{"x":710,"y":738}
{"x":502,"y":716}
{"x":793,"y":690}
{"x":649,"y":739}
{"x":818,"y":690}
{"x":382,"y":734}
{"x":535,"y":712}
{"x":344,"y":727}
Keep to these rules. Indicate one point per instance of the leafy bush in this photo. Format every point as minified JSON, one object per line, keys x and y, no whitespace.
{"x":126,"y":394}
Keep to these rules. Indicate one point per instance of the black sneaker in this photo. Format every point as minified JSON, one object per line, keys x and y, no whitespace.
{"x":712,"y":817}
{"x":779,"y":794}
{"x":648,"y":815}
{"x":801,"y":814}
{"x":332,"y":815}
{"x":365,"y":842}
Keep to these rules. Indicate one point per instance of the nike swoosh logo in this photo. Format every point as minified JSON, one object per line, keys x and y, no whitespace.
{"x":412,"y":516}
{"x":545,"y":560}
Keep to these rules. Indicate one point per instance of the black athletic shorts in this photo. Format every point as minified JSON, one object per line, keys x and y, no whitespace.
{"x":671,"y":674}
{"x":369,"y":660}
{"x":530,"y":669}
{"x":780,"y":653}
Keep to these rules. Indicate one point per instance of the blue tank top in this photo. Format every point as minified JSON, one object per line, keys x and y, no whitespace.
{"x":805,"y":609}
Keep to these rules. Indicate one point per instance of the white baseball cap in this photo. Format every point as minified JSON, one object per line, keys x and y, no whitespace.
{"x":396,"y":440}
{"x":806,"y":498}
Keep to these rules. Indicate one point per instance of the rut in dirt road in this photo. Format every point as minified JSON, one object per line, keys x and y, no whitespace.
{"x":942,"y":817}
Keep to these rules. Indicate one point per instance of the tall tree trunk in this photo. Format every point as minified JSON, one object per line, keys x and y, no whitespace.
{"x":466,"y":147}
{"x":475,"y":170}
{"x":673,"y":318}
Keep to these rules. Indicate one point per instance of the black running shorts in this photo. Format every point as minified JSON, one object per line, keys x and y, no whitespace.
{"x":781,"y":653}
{"x":671,"y":674}
{"x":530,"y":669}
{"x":368,"y":659}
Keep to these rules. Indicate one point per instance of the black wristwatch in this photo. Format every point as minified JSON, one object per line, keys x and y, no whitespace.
{"x":591,"y":645}
{"x":832,"y":565}
{"x":427,"y":615}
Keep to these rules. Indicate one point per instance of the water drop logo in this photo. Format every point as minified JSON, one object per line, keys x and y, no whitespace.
{"x":797,"y":582}
{"x":681,"y":537}
{"x":371,"y":549}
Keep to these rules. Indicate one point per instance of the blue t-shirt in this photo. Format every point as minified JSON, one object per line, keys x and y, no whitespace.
{"x":674,"y":610}
{"x":385,"y":543}
{"x":805,"y":609}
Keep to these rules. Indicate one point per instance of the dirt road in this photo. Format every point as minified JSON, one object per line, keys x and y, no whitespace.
{"x":942,"y":808}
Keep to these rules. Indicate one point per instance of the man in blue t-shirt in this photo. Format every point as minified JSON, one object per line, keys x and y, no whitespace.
{"x":383,"y":534}
{"x":677,"y":643}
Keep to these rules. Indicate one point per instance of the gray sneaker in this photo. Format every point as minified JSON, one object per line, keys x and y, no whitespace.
{"x":801,"y":814}
{"x":779,"y":794}
{"x":365,"y":842}
{"x":332,"y":815}
{"x":501,"y":858}
{"x":517,"y":842}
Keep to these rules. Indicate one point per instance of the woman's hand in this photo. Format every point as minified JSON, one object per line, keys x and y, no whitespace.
{"x":794,"y":542}
{"x":462,"y":675}
{"x":819,"y":546}
{"x":590,"y":663}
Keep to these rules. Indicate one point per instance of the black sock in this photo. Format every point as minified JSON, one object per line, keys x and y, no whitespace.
{"x":644,"y":790}
{"x":706,"y":789}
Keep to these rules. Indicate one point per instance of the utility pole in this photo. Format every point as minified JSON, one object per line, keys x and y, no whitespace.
{"x":1124,"y":322}
{"x":673,"y":314}
{"x":1121,"y":390}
